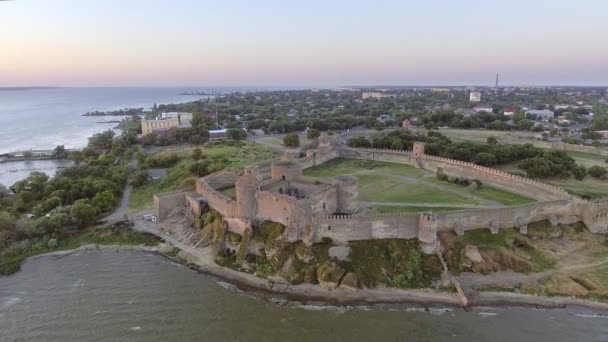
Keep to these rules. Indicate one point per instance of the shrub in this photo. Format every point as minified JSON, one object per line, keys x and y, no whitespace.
{"x":597,"y":171}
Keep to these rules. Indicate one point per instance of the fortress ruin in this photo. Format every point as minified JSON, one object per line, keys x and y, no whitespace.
{"x":313,"y":209}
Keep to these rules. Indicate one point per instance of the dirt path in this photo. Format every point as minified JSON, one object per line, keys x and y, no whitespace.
{"x":120,"y":212}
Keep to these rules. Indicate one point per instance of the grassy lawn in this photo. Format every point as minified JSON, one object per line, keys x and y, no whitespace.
{"x":278,"y":140}
{"x":342,"y":166}
{"x":223,"y":156}
{"x":373,"y":188}
{"x":381,"y":182}
{"x":230,"y":192}
{"x":382,"y":187}
{"x":486,"y":192}
{"x":589,"y":186}
{"x":588,"y":159}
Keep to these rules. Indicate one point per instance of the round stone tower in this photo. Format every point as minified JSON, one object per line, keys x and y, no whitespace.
{"x":245,"y":188}
{"x":347,"y":193}
{"x":286,"y":170}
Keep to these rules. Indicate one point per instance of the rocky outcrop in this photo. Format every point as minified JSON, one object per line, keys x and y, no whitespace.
{"x":341,"y":253}
{"x":472,"y":253}
{"x":350,"y":281}
{"x":329,"y":275}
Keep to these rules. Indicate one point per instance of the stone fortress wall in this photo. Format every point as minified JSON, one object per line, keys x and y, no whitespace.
{"x":307,"y":207}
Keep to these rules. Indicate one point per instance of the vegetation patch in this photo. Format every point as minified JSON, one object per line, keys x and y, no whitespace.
{"x":393,"y":262}
{"x":12,"y":256}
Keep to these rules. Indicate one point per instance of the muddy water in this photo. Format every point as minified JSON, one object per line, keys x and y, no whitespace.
{"x":134,"y":296}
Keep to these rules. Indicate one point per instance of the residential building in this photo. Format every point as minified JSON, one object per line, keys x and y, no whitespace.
{"x":374,"y":95}
{"x":216,"y":134}
{"x":509,"y":111}
{"x":475,"y":96}
{"x":543,"y":114}
{"x":604,"y":134}
{"x":159,"y":124}
{"x":165,"y":121}
{"x":480,"y":109}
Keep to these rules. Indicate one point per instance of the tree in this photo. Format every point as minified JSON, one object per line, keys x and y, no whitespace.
{"x":199,"y":168}
{"x":313,"y":133}
{"x":291,"y":140}
{"x":597,"y":171}
{"x":104,"y":201}
{"x":197,"y":154}
{"x":492,"y":140}
{"x":76,"y":156}
{"x":139,"y":178}
{"x":236,"y":134}
{"x":59,"y":152}
{"x":83,"y":212}
{"x":149,"y":139}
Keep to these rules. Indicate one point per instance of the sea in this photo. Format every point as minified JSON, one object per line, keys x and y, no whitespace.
{"x":137,"y":296}
{"x":42,"y":118}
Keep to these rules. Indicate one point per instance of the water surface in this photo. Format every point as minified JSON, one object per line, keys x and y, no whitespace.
{"x":134,"y":296}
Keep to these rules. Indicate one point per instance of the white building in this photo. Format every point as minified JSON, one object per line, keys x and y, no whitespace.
{"x":475,"y":96}
{"x":543,"y":114}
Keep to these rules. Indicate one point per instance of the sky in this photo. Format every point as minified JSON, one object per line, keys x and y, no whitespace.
{"x":302,"y":43}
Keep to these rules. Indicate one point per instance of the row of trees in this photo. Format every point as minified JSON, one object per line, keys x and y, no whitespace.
{"x":39,"y":206}
{"x":536,"y":162}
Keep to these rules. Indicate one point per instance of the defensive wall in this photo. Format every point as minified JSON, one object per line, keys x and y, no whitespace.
{"x":309,"y":216}
{"x":456,"y":168}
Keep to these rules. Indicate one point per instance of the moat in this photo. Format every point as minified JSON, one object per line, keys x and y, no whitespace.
{"x":136,"y":296}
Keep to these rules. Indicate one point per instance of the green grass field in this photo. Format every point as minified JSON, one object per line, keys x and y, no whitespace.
{"x":278,"y":140}
{"x":382,"y":182}
{"x":223,"y":156}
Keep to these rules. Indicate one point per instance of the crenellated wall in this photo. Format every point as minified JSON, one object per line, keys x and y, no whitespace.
{"x":595,"y":216}
{"x":451,"y":167}
{"x":560,"y":211}
{"x":521,"y":185}
{"x":343,"y":228}
{"x":305,"y":212}
{"x":218,"y":201}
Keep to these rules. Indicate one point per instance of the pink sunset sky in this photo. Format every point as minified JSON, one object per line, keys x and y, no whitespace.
{"x":187,"y":42}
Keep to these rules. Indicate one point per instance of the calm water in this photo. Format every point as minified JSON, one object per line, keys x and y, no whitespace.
{"x":133,"y":296}
{"x":45,"y":118}
{"x":15,"y":171}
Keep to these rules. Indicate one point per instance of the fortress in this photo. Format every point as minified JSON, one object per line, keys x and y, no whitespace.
{"x":313,"y":209}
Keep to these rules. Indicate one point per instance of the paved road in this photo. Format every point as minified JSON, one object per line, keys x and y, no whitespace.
{"x":119,"y":214}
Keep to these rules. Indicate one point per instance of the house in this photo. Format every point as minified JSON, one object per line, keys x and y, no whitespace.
{"x":374,"y":95}
{"x":165,"y":121}
{"x":466,"y":112}
{"x":604,"y":134}
{"x":480,"y":109}
{"x":543,"y":114}
{"x":216,"y":134}
{"x":509,"y":111}
{"x":385,"y":117}
{"x":475,"y":96}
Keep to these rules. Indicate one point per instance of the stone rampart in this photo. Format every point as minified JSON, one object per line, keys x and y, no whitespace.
{"x":164,"y":204}
{"x":343,"y":228}
{"x":560,"y":211}
{"x":216,"y":200}
{"x":521,"y":185}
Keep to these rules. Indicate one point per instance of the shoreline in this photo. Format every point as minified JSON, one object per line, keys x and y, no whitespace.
{"x":202,"y":261}
{"x":282,"y":293}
